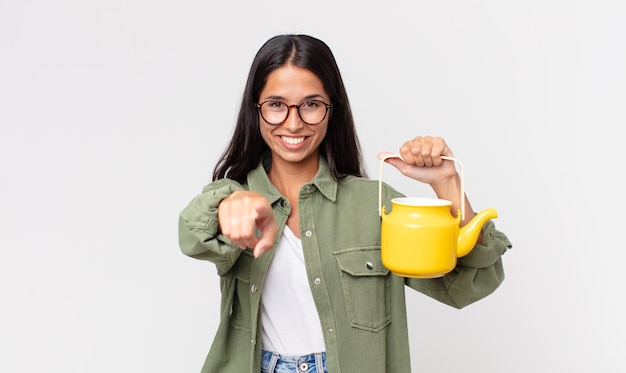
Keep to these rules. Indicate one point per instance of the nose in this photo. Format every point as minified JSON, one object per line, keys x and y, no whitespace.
{"x":293,"y":121}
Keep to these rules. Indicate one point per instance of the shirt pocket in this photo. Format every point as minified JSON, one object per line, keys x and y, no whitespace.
{"x":240,"y":317}
{"x":365,"y":282}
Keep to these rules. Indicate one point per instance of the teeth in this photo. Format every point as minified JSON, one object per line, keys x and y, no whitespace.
{"x":292,"y":140}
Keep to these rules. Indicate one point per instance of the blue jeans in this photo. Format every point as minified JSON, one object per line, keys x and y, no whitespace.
{"x":274,"y":363}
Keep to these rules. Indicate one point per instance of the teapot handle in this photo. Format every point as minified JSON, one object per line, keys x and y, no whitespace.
{"x":380,"y":182}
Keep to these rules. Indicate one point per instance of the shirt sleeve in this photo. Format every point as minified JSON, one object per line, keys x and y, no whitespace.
{"x":198,"y":228}
{"x":476,"y":275}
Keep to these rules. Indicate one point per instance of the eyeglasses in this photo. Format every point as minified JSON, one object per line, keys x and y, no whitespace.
{"x":276,"y":112}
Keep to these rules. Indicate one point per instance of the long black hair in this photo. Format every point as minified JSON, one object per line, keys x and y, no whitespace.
{"x":340,"y":147}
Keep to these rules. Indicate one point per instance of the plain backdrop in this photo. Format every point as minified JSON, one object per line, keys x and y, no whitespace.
{"x":113,"y":114}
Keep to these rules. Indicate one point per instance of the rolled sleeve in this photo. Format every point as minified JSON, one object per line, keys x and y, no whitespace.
{"x":494,"y":244}
{"x":198,"y":228}
{"x":476,"y":275}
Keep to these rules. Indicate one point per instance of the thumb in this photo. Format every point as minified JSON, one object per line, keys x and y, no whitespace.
{"x":262,"y":212}
{"x":382,"y":155}
{"x":393,"y":159}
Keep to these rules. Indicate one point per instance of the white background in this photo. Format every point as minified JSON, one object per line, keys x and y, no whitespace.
{"x":113,"y":114}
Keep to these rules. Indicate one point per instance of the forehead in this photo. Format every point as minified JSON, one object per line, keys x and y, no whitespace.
{"x":293,"y":82}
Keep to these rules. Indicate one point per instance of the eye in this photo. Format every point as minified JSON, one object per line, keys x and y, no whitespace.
{"x":312,"y":104}
{"x":274,"y":104}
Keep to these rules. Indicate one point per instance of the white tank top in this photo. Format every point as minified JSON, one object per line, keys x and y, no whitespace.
{"x":291,"y":325}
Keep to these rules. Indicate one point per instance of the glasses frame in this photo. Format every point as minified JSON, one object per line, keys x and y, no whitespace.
{"x":328,"y":107}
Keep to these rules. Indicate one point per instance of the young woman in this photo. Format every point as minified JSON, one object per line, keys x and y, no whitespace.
{"x":292,"y":224}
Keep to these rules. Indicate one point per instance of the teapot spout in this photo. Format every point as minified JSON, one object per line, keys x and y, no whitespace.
{"x":468,"y":235}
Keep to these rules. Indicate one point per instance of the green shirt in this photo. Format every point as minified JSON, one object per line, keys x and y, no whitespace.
{"x":362,"y":309}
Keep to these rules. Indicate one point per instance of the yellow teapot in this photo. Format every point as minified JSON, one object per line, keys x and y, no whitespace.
{"x":420,"y":238}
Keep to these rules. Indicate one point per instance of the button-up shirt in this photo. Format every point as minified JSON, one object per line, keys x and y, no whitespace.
{"x":360,"y":303}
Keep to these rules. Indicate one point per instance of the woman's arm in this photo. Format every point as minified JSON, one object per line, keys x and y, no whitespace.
{"x":198,"y":228}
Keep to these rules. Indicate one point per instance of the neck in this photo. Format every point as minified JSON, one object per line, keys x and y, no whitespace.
{"x":289,"y":177}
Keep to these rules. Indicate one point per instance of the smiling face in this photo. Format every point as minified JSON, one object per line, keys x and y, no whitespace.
{"x":293,"y":142}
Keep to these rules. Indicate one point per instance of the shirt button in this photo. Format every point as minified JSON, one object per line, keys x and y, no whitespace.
{"x":308,"y":233}
{"x":317,"y":281}
{"x":253,"y":289}
{"x":369,"y":265}
{"x":304,"y":367}
{"x":330,"y":330}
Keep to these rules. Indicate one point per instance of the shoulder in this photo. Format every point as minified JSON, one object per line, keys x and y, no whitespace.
{"x":223,"y":185}
{"x":352,"y":183}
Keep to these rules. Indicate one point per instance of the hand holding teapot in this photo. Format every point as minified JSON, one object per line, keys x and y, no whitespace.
{"x":419,"y":237}
{"x":424,"y":159}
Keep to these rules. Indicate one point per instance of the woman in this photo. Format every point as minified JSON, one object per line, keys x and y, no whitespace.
{"x":292,"y":224}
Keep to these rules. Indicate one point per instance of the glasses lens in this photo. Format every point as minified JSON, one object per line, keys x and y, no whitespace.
{"x":274,"y":112}
{"x":312,"y":112}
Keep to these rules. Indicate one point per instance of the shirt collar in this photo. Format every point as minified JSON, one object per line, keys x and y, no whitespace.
{"x":260,"y":182}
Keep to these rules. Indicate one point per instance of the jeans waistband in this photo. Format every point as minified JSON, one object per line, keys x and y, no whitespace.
{"x":272,"y":362}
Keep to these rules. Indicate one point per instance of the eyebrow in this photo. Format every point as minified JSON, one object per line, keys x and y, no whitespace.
{"x":309,"y":97}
